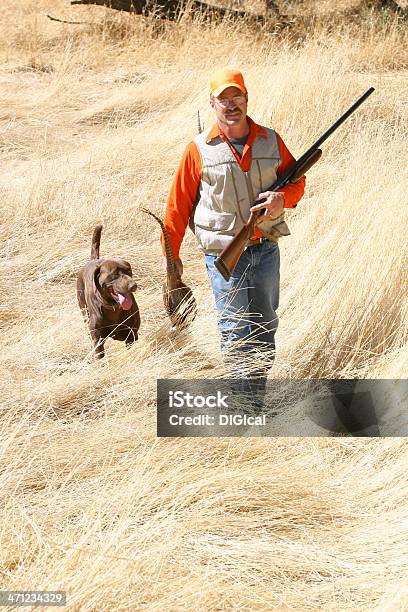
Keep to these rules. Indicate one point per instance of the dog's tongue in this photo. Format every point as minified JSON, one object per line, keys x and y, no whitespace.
{"x":125,"y":301}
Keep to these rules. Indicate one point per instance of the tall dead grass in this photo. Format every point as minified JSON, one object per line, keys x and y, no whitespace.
{"x":93,"y":120}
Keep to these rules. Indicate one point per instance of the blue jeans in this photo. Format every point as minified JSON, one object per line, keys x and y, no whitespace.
{"x":246,"y":306}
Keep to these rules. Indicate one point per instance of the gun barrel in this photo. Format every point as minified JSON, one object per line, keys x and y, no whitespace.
{"x":307,"y":164}
{"x":343,"y":118}
{"x":292,"y":171}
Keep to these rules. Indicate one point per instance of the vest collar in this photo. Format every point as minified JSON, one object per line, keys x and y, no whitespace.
{"x":255,"y":130}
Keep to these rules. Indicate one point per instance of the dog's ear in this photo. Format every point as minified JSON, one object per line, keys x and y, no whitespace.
{"x":91,"y":287}
{"x":101,"y":276}
{"x":96,"y":274}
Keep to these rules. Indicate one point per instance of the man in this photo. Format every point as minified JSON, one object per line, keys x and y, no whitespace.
{"x":223,"y":172}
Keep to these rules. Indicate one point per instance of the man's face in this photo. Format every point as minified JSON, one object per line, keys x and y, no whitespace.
{"x":230,"y":107}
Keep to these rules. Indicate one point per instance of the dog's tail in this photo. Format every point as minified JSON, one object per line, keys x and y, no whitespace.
{"x":96,"y":241}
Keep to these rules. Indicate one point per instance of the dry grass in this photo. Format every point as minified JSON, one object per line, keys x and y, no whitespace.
{"x":93,"y":120}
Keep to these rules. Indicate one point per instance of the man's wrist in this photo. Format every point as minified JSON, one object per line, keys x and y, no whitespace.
{"x":282,"y":193}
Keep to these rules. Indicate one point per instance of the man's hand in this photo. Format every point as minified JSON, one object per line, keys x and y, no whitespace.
{"x":179,"y":265}
{"x":273,"y":205}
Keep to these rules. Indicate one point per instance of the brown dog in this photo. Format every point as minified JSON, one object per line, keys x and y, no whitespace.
{"x":105,"y":296}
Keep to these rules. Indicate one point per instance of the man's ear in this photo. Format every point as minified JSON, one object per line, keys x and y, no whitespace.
{"x":212,"y":103}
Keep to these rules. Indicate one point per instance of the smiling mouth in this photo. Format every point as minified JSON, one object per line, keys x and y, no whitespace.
{"x":233,"y":114}
{"x":123,"y":299}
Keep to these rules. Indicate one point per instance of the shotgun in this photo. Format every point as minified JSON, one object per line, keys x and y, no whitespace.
{"x":229,"y":257}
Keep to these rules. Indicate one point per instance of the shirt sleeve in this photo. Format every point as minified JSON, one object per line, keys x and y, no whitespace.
{"x":292,"y":192}
{"x":181,"y":199}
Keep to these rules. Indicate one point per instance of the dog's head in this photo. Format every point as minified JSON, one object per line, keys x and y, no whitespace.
{"x":113,"y":280}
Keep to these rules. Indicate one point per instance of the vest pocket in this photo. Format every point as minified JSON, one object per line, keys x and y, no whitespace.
{"x":213,"y":220}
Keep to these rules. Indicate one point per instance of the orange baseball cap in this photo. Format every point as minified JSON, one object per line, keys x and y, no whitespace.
{"x":226,"y":77}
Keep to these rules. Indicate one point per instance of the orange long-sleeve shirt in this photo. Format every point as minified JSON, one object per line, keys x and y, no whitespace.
{"x":183,"y":193}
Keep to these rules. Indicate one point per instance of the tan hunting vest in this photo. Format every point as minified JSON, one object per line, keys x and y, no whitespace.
{"x":226,"y":192}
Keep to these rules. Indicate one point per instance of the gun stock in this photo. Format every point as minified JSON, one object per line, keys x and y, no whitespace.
{"x":229,"y":257}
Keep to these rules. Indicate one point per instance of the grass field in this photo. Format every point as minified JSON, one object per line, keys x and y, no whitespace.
{"x":93,"y":121}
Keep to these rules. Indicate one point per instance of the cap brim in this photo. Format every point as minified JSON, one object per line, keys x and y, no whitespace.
{"x":225,"y":86}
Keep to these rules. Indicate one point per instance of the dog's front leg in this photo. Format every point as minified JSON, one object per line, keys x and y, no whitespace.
{"x":132,"y":337}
